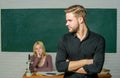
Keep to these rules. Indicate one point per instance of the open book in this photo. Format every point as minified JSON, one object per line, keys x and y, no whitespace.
{"x":52,"y":73}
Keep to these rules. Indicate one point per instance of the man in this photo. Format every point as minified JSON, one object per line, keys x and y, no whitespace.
{"x":80,"y":52}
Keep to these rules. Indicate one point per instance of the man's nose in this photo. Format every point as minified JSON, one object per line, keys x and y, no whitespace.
{"x":66,"y":23}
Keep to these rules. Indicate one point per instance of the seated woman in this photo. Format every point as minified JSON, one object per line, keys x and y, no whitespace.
{"x":40,"y":61}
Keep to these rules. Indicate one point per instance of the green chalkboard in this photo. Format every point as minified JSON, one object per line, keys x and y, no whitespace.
{"x":20,"y":28}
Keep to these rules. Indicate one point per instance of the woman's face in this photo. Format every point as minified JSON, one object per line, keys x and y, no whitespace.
{"x":38,"y":49}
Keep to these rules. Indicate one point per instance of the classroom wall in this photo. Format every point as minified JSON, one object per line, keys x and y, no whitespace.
{"x":12,"y":64}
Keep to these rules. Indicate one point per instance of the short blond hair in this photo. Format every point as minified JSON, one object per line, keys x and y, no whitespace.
{"x":78,"y":10}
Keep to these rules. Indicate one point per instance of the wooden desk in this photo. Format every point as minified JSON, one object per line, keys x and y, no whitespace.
{"x":104,"y":75}
{"x":40,"y":76}
{"x":61,"y":76}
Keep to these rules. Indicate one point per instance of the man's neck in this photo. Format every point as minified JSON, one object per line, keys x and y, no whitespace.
{"x":82,"y":31}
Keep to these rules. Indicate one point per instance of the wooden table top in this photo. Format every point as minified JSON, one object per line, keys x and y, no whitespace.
{"x":62,"y":75}
{"x":42,"y":76}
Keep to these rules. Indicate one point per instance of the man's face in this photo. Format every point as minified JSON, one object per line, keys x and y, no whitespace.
{"x":72,"y":22}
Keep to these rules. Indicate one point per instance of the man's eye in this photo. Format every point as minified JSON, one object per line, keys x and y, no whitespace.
{"x":69,"y":20}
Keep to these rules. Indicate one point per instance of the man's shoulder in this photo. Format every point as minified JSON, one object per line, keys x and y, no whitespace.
{"x":97,"y":36}
{"x":67,"y":35}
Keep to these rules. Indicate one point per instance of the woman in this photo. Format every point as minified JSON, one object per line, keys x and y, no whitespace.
{"x":40,"y":61}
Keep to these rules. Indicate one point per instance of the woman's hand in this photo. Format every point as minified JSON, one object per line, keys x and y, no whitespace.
{"x":38,"y":54}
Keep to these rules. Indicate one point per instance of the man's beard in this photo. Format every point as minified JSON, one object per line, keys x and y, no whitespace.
{"x":76,"y":29}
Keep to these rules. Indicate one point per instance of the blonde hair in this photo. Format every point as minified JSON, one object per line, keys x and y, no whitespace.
{"x":42,"y":46}
{"x":78,"y":10}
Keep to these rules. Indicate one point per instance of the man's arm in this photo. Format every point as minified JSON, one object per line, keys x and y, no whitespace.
{"x":81,"y":71}
{"x":75,"y":65}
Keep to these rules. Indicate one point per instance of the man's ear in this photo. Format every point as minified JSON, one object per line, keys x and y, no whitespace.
{"x":81,"y":20}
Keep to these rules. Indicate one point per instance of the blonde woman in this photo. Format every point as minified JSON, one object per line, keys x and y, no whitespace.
{"x":40,"y":61}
